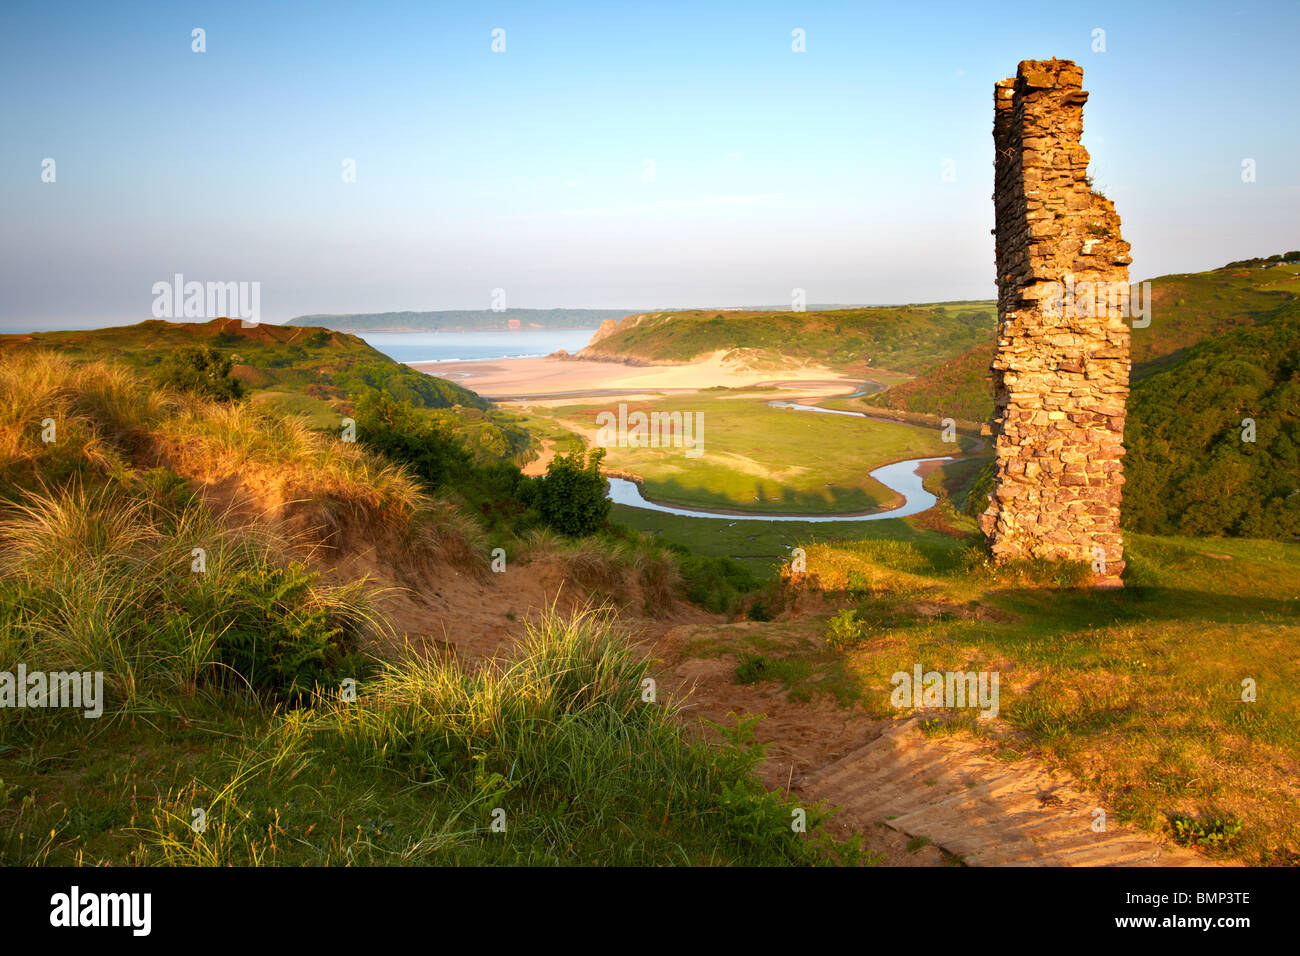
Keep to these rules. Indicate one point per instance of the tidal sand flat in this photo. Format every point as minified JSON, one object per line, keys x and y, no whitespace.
{"x":512,"y":378}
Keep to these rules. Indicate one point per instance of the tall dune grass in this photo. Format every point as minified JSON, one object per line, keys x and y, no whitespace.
{"x":99,"y":413}
{"x":618,"y":569}
{"x":564,"y":748}
{"x":217,"y":441}
{"x":98,"y":580}
{"x":110,"y":427}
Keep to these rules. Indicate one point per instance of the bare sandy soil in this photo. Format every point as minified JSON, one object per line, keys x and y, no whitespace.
{"x":513,"y":378}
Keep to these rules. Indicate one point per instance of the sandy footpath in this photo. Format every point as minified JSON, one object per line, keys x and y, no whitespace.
{"x":515,"y":378}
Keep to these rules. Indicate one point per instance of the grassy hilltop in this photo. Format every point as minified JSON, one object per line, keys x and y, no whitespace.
{"x":898,"y":338}
{"x":315,"y":373}
{"x":271,"y":359}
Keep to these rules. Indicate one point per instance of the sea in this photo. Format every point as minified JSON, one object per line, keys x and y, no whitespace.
{"x":475,"y":346}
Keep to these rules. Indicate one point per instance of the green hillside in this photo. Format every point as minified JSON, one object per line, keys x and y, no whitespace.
{"x":1189,"y":470}
{"x":899,"y":338}
{"x":1185,"y":309}
{"x":312,"y":372}
{"x":960,"y":388}
{"x":463,"y":319}
{"x":1223,"y":346}
{"x":1194,"y":306}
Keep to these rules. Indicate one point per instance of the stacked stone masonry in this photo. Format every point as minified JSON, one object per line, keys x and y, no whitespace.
{"x":1061,"y":372}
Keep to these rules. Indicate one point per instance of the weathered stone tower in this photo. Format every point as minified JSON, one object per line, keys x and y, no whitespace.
{"x":1061,"y":371}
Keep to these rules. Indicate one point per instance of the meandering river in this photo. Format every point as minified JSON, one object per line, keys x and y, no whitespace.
{"x":901,"y":477}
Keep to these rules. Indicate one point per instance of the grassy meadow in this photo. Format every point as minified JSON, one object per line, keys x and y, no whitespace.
{"x":760,"y":545}
{"x":759,"y":458}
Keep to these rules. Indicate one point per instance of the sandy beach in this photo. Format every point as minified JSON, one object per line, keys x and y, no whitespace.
{"x":539,"y":377}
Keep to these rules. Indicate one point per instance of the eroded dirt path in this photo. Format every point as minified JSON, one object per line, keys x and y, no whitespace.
{"x":916,"y":800}
{"x":984,"y":811}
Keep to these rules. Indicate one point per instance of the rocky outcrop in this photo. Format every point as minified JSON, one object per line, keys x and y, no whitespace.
{"x":610,"y":326}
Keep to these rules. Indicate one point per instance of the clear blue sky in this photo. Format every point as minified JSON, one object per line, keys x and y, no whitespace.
{"x":523,"y":170}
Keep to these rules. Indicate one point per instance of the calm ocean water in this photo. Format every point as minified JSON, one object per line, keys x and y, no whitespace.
{"x":470,"y":346}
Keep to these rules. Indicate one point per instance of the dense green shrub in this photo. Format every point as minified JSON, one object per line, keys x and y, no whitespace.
{"x":432,"y":445}
{"x":571,"y":497}
{"x":397,"y":430}
{"x":203,"y":371}
{"x":716,"y":583}
{"x":404,"y":384}
{"x":1211,"y":835}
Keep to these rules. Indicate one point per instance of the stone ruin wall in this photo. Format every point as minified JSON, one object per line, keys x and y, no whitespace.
{"x":1060,"y":374}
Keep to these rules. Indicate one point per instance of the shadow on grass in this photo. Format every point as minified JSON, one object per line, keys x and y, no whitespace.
{"x":1082,"y":608}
